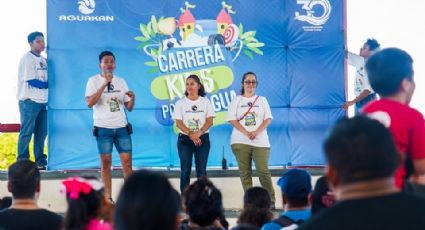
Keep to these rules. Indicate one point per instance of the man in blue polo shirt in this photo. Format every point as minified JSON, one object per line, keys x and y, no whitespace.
{"x":295,"y":185}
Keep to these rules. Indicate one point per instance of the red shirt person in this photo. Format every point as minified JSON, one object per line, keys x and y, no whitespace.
{"x":391,"y":76}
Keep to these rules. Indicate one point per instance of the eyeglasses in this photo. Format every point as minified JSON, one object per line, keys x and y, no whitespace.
{"x":250,"y":82}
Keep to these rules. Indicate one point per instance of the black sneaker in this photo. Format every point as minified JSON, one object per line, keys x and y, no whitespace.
{"x":41,"y":167}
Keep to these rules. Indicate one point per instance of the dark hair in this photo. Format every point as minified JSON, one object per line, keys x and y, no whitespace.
{"x":245,"y":227}
{"x":81,"y":210}
{"x":256,"y":197}
{"x":105,"y":53}
{"x":203,"y":202}
{"x":32,"y":36}
{"x":201,"y":91}
{"x":361,"y":149}
{"x":256,"y":209}
{"x":24,"y":179}
{"x":320,"y":191}
{"x":372,"y":43}
{"x":386,"y":70}
{"x":5,"y":202}
{"x":244,"y":77}
{"x":147,"y":201}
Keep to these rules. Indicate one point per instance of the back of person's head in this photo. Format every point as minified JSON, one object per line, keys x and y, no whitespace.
{"x":295,"y":185}
{"x":147,"y":201}
{"x":105,"y":53}
{"x":33,"y":35}
{"x":5,"y":202}
{"x":321,"y":197}
{"x":84,"y":196}
{"x":387,"y":69}
{"x":360,"y":149}
{"x":23,"y":179}
{"x":257,"y":197}
{"x":373,"y":44}
{"x":256,"y":211}
{"x":203,"y":202}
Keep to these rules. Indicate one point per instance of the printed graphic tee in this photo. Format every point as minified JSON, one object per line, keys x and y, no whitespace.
{"x":193,"y":113}
{"x":259,"y":112}
{"x":109,"y":112}
{"x":361,"y":81}
{"x":32,"y":67}
{"x":407,"y":126}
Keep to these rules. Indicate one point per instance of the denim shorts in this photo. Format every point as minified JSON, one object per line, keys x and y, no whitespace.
{"x":106,"y":138}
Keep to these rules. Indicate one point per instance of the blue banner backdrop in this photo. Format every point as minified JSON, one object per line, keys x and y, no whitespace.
{"x":296,"y":47}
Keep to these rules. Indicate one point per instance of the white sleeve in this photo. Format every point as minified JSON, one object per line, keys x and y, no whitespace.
{"x":210,"y":109}
{"x":28,"y":69}
{"x":90,"y":87}
{"x":231,"y":112}
{"x":177,"y":113}
{"x":267,"y":110}
{"x":355,"y":60}
{"x":125,"y":89}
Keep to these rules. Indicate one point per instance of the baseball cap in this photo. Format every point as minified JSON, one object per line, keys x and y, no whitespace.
{"x":295,"y":183}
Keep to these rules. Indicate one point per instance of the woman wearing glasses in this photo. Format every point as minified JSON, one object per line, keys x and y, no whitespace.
{"x":193,"y":115}
{"x":250,"y":114}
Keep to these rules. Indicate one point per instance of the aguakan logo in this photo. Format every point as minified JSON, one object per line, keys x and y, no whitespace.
{"x":86,"y":8}
{"x":311,"y":17}
{"x":184,"y":45}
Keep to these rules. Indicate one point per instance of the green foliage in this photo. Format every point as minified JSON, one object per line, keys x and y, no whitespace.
{"x":150,"y":35}
{"x":251,"y":44}
{"x":9,"y":149}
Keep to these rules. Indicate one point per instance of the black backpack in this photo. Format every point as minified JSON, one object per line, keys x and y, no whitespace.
{"x":285,"y":221}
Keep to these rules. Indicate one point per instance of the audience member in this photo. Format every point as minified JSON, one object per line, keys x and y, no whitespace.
{"x":295,"y":185}
{"x":362,"y":159}
{"x":24,"y":184}
{"x":391,"y":76}
{"x":147,"y":201}
{"x":203,"y":203}
{"x":85,"y":200}
{"x":322,"y":196}
{"x":256,"y":210}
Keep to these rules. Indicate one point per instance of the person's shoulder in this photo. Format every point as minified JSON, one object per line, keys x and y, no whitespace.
{"x":271,"y":226}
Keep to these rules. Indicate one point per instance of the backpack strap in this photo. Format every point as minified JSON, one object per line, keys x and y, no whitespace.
{"x":284,"y":221}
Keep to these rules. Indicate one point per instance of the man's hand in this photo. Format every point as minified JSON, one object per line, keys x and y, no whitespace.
{"x":131,"y":95}
{"x":348,"y":104}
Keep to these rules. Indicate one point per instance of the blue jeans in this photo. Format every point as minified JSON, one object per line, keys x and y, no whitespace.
{"x":106,"y":138}
{"x":187,"y":149}
{"x":33,"y":120}
{"x":365,"y":101}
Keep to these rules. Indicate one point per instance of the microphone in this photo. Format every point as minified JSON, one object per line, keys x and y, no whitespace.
{"x":109,"y":83}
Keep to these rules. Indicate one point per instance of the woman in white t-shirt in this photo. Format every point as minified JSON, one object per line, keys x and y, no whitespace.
{"x":109,"y":96}
{"x":250,"y":115}
{"x":193,"y":115}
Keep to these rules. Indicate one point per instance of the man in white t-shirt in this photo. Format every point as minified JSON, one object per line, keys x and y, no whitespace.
{"x":32,"y":96}
{"x":362,"y":89}
{"x":109,"y":96}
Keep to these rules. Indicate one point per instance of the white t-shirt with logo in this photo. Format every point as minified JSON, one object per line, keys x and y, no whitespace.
{"x":361,"y":81}
{"x":260,"y":111}
{"x":193,"y":113}
{"x":32,"y":67}
{"x":109,"y":112}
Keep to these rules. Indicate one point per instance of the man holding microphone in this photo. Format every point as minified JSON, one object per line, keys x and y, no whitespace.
{"x":109,"y":95}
